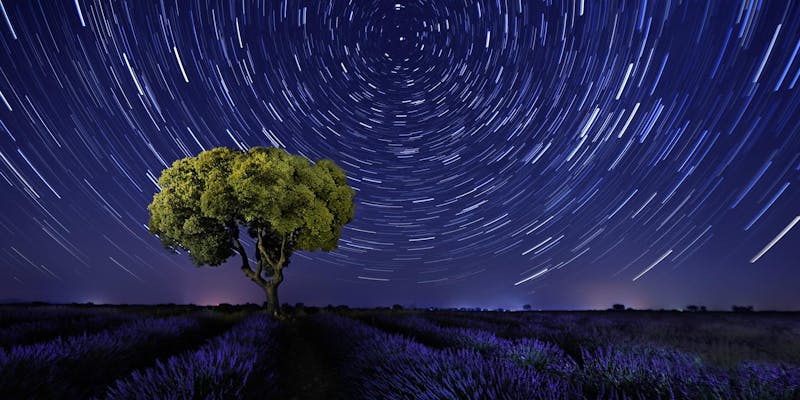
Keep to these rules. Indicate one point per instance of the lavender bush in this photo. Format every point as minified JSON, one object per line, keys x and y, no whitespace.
{"x":649,"y":372}
{"x":10,"y":315}
{"x":221,"y":369}
{"x":28,"y":332}
{"x":523,"y":352}
{"x":609,"y":365}
{"x":387,"y":366}
{"x":766,"y":381}
{"x":72,"y":367}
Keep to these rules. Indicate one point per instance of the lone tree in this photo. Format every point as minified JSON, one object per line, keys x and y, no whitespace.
{"x":282,"y":201}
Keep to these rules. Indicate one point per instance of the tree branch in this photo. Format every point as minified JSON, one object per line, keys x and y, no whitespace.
{"x":260,"y":269}
{"x":261,"y":247}
{"x":253,"y":275}
{"x":237,"y":245}
{"x":282,"y":259}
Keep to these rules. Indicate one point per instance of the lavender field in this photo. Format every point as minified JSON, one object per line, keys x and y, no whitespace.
{"x":184,"y":352}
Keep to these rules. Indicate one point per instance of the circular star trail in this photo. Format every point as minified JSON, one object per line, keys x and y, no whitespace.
{"x":527,"y":144}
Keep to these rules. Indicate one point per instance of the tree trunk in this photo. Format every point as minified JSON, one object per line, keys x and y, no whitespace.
{"x":271,"y":289}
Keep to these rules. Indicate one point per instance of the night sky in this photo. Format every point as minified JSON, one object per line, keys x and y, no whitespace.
{"x":565,"y":154}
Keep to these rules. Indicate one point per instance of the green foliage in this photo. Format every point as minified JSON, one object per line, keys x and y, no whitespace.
{"x":279,"y":198}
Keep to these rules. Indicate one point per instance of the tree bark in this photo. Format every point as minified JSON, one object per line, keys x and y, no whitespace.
{"x":271,"y":289}
{"x":276,"y":268}
{"x":272,"y":266}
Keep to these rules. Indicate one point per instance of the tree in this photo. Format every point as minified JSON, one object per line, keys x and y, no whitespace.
{"x":526,"y":307}
{"x":282,"y":201}
{"x":618,"y":307}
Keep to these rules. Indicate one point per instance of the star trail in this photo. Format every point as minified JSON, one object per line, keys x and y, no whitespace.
{"x":558,"y":153}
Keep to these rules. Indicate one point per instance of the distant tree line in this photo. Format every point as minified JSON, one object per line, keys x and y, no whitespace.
{"x":689,"y":308}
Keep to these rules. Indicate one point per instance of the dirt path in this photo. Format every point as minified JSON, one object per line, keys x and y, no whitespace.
{"x":305,"y":372}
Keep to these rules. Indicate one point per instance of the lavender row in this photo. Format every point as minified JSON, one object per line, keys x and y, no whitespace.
{"x":74,"y":367}
{"x":724,"y":340}
{"x":627,"y":370}
{"x":653,"y":372}
{"x":635,"y":365}
{"x":221,"y":369}
{"x":512,"y":326}
{"x":29,"y":332}
{"x":377,"y":364}
{"x":10,"y":315}
{"x":524,"y":352}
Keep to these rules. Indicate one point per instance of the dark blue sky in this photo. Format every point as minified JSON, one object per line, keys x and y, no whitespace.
{"x":565,"y":154}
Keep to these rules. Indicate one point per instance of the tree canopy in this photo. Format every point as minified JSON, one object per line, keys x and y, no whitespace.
{"x":283,"y":201}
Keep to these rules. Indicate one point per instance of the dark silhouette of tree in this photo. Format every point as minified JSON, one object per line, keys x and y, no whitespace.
{"x":618,"y":307}
{"x":692,"y":308}
{"x":526,"y":307}
{"x":742,"y":308}
{"x":282,"y":201}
